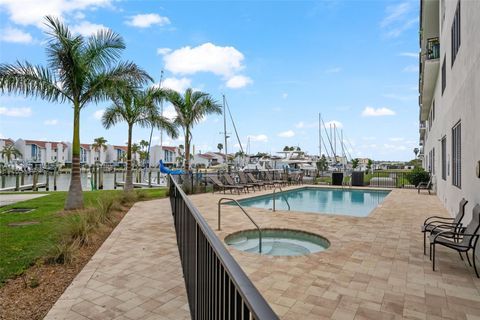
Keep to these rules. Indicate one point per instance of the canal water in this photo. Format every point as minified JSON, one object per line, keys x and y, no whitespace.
{"x":63,"y":180}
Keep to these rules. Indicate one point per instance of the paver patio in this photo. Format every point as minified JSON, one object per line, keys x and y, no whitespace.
{"x":374,"y":269}
{"x":136,"y":273}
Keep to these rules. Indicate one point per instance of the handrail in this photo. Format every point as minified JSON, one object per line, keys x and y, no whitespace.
{"x":280,"y":188}
{"x":249,"y":217}
{"x":195,"y":267}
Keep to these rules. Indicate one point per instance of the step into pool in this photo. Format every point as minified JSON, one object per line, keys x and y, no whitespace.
{"x":351,"y":202}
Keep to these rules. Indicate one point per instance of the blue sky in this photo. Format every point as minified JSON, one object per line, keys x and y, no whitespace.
{"x":279,"y":63}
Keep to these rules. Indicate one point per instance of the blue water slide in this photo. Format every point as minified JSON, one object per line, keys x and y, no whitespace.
{"x":165,"y":170}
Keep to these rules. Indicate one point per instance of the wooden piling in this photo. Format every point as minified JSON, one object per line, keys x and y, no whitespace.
{"x":114,"y":178}
{"x":3,"y":179}
{"x":149,"y":179}
{"x":35,"y":176}
{"x":22,"y":178}
{"x":95,"y":178}
{"x":47,"y":181}
{"x":100,"y":178}
{"x":17,"y":183}
{"x":55,"y":179}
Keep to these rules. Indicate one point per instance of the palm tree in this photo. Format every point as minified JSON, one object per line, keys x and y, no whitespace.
{"x":99,"y":144}
{"x":416,"y":150}
{"x":191,"y":108}
{"x":79,"y":71}
{"x":355,"y":163}
{"x":10,"y":151}
{"x":136,"y":107}
{"x":220,"y":147}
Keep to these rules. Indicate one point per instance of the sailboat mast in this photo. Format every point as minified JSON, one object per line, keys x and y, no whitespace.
{"x":319,"y":135}
{"x":225,"y":126}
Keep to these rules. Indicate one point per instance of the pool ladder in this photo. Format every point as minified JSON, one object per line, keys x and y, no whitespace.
{"x":245,"y":212}
{"x":284,"y":198}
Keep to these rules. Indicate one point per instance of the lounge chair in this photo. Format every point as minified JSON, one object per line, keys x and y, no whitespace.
{"x":425,"y":186}
{"x":219,"y":184}
{"x":243,"y":180}
{"x":230,"y":182}
{"x":442,"y":223}
{"x":269,"y":177}
{"x":253,"y":180}
{"x":461,"y":240}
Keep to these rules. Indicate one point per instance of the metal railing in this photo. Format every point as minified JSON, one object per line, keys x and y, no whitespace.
{"x":274,"y":189}
{"x":433,"y":48}
{"x":217,"y":288}
{"x":249,"y":217}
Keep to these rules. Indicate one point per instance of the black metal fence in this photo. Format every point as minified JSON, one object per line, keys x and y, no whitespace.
{"x":388,"y":179}
{"x":217,"y":288}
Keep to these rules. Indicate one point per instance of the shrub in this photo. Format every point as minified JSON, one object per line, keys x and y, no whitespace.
{"x":141,"y":195}
{"x":104,"y":208}
{"x":79,"y":227}
{"x":62,"y":252}
{"x":418,"y":175}
{"x":128,"y":197}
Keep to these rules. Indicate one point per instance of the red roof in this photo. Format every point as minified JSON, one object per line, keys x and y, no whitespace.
{"x":124,"y":148}
{"x":8,"y":142}
{"x":206,"y":156}
{"x":86,"y":146}
{"x":173,"y":149}
{"x":42,"y":144}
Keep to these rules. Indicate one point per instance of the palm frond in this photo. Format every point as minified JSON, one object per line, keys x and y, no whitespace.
{"x":29,"y":80}
{"x":112,"y":115}
{"x":103,"y":49}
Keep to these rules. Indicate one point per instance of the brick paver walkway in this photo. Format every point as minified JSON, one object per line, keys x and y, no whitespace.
{"x":136,"y":274}
{"x":374,"y":269}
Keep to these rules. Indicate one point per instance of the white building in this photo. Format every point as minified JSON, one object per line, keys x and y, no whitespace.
{"x":168,"y":154}
{"x":450,"y":99}
{"x":42,"y":152}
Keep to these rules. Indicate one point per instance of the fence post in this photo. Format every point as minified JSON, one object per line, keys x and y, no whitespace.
{"x":47,"y":181}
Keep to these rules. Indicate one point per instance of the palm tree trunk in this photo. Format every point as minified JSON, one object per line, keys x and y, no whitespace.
{"x":187,"y":149}
{"x":75,"y":194}
{"x":128,"y":178}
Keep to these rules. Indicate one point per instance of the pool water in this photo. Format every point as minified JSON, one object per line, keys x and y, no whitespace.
{"x":277,"y":242}
{"x":358,"y":203}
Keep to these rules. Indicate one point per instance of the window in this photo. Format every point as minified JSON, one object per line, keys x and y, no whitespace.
{"x":444,"y":158}
{"x":444,"y":74}
{"x":456,"y":33}
{"x":457,"y":155}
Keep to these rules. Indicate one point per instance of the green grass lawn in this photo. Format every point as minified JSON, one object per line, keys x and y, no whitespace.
{"x":22,"y":246}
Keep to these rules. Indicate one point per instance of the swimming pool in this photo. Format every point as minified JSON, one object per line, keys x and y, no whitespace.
{"x":352,"y":202}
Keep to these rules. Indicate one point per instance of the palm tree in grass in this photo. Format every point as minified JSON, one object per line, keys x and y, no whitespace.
{"x":191,"y":108}
{"x":136,"y":107}
{"x":98,"y":144}
{"x":135,"y":150}
{"x":79,"y":71}
{"x":10,"y":151}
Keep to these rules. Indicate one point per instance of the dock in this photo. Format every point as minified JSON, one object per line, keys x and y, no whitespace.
{"x":139,"y":184}
{"x":25,"y":187}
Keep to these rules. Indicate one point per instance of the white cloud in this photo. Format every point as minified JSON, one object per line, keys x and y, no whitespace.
{"x":99,"y":114}
{"x":169,"y":112}
{"x":23,"y":112}
{"x":239,"y":81}
{"x":176,"y":84}
{"x":163,"y":51}
{"x":259,"y":138}
{"x":15,"y":35}
{"x":284,"y":95}
{"x":222,"y":61}
{"x":287,"y":134}
{"x":399,"y":18}
{"x":333,"y":70}
{"x":33,"y":12}
{"x":372,"y":112}
{"x":396,"y":139}
{"x":147,"y":20}
{"x":334,"y":123}
{"x":411,"y":68}
{"x":86,"y":28}
{"x":52,"y":122}
{"x":409,"y":54}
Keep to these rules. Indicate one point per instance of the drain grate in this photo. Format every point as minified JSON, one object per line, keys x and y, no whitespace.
{"x":19,"y":210}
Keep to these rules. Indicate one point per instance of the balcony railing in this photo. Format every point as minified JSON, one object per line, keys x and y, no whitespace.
{"x":217,"y":288}
{"x":433,"y":48}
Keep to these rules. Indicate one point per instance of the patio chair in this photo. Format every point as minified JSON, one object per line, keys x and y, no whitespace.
{"x":269,"y":177}
{"x":425,"y":186}
{"x":461,"y":240}
{"x":254,"y":180}
{"x":219,"y":184}
{"x":230,"y":182}
{"x":442,"y":223}
{"x":244,"y":180}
